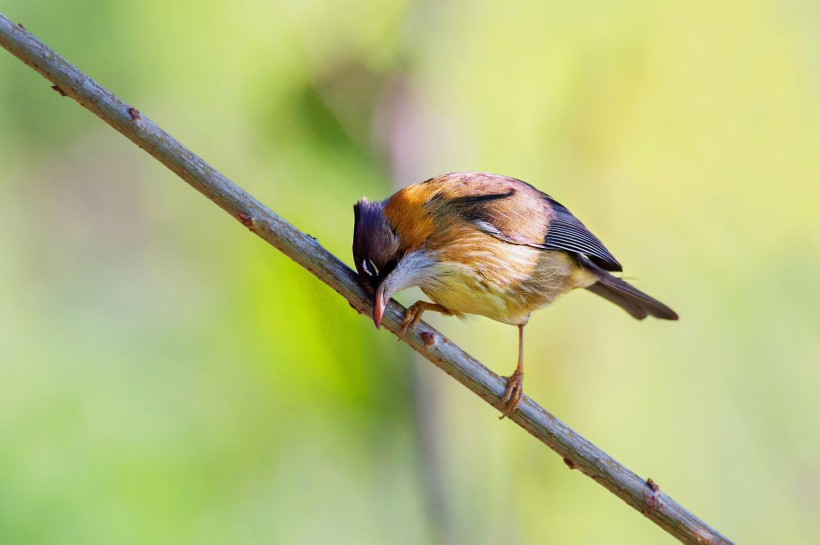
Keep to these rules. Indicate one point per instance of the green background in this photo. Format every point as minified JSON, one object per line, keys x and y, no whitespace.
{"x":165,"y":377}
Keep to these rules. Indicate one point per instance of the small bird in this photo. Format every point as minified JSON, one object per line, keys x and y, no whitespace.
{"x":486,"y":244}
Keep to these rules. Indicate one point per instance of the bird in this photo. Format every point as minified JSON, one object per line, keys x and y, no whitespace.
{"x":478,"y":243}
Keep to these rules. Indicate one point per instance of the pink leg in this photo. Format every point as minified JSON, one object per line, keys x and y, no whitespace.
{"x":414,"y":312}
{"x":515,"y":383}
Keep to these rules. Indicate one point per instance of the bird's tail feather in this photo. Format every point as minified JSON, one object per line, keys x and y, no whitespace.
{"x":638,"y":304}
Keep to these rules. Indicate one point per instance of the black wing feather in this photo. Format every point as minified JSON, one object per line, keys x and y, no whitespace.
{"x":566,"y":232}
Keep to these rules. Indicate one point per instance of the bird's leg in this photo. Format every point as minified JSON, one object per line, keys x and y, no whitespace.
{"x":414,"y":312}
{"x":515,"y":383}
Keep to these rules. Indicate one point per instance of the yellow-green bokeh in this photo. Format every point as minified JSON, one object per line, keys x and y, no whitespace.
{"x":165,"y":377}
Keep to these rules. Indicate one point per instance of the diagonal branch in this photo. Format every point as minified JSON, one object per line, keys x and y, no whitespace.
{"x":578,"y":453}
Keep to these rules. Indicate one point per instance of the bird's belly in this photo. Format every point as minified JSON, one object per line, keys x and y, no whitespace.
{"x":506,"y":291}
{"x":464,"y":294}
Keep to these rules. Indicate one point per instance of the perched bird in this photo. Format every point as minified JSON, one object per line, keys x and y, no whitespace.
{"x":480,"y":243}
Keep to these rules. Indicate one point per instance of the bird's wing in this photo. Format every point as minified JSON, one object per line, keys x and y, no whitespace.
{"x":566,"y":232}
{"x":514,"y":211}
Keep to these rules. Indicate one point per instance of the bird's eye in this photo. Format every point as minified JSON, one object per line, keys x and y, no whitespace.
{"x":369,"y":268}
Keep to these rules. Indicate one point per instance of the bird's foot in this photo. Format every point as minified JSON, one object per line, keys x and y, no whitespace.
{"x":513,"y":394}
{"x":412,"y":317}
{"x":413,"y":314}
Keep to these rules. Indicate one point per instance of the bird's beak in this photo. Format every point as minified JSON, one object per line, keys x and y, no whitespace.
{"x":378,"y":306}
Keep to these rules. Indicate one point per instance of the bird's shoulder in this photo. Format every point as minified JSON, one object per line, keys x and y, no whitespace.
{"x":500,"y":206}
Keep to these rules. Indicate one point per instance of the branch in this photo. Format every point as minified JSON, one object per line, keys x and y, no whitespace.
{"x":577,"y":452}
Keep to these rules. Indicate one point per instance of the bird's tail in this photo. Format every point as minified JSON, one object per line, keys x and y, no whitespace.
{"x":635,"y":302}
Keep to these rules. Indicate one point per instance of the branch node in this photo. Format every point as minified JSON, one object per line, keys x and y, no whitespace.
{"x":428,"y":338}
{"x":135,"y":114}
{"x":653,"y":499}
{"x":59,"y":90}
{"x":20,"y":25}
{"x":247,"y":221}
{"x":570,"y":463}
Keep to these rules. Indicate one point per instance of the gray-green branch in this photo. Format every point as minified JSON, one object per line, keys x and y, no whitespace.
{"x":578,"y":453}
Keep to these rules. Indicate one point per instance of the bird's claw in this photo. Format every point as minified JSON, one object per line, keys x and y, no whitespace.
{"x":411,"y":318}
{"x":514,"y":394}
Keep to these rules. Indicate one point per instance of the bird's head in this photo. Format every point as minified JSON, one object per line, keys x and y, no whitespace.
{"x":375,"y":252}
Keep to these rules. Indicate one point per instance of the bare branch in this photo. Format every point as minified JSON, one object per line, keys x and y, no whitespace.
{"x":578,"y":453}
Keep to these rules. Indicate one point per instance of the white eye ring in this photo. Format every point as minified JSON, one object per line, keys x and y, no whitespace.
{"x":366,"y":265}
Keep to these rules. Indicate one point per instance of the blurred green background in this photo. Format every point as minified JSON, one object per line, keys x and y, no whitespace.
{"x":165,"y":377}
